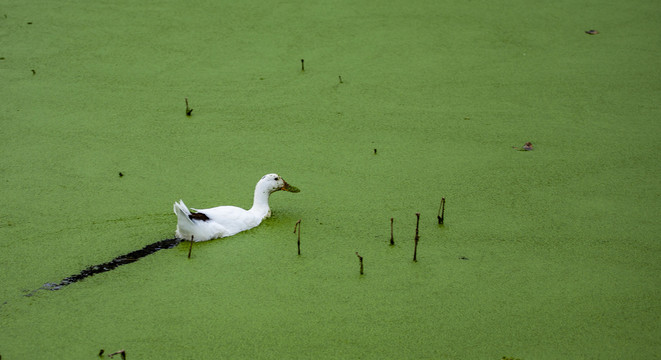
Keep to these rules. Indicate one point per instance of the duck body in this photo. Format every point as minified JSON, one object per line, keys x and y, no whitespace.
{"x":223,"y":221}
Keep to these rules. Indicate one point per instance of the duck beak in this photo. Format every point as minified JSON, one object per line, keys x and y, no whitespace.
{"x":289,"y":188}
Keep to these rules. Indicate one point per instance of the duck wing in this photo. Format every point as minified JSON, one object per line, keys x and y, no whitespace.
{"x":232,"y":218}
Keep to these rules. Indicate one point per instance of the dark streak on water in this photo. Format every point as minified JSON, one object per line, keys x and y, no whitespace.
{"x":111,"y":265}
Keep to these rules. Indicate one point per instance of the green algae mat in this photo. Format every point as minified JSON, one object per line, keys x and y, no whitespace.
{"x":551,"y":253}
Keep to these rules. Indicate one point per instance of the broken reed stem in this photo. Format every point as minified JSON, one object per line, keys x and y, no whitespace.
{"x":188,"y":109}
{"x":298,"y":242}
{"x":120,"y":352}
{"x":417,"y":238}
{"x":360,"y":258}
{"x":441,"y":212}
{"x":392,"y":239}
{"x":190,"y":248}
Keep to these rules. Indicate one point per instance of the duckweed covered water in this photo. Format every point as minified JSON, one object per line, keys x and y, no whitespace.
{"x":562,"y":242}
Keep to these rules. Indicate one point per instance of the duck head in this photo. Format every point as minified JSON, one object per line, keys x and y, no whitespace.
{"x":274,"y":182}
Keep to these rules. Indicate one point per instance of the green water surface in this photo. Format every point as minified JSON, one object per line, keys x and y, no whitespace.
{"x":544,"y":254}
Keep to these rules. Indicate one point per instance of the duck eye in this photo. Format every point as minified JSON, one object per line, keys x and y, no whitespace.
{"x":277,"y":178}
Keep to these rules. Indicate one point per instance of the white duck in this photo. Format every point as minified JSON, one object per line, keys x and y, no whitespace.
{"x":223,"y":221}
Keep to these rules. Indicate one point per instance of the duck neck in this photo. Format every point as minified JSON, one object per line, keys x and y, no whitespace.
{"x":260,"y":204}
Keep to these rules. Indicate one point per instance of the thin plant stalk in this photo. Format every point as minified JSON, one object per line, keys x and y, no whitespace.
{"x":417,"y":238}
{"x":441,"y":212}
{"x":190,"y":248}
{"x":360,"y":258}
{"x":188,"y":109}
{"x":298,"y":242}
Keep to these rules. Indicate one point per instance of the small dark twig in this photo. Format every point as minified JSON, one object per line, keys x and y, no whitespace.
{"x":360,"y":258}
{"x":441,"y":212}
{"x":120,"y":352}
{"x":417,"y":238}
{"x":188,"y":109}
{"x":298,"y":242}
{"x":392,"y":239}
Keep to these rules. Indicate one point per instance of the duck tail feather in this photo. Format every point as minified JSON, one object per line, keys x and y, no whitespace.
{"x":181,"y":210}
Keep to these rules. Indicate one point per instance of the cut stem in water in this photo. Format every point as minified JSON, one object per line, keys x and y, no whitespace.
{"x":188,"y":109}
{"x":441,"y":212}
{"x":360,"y":258}
{"x":190,"y":248}
{"x":417,"y":238}
{"x":298,"y":242}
